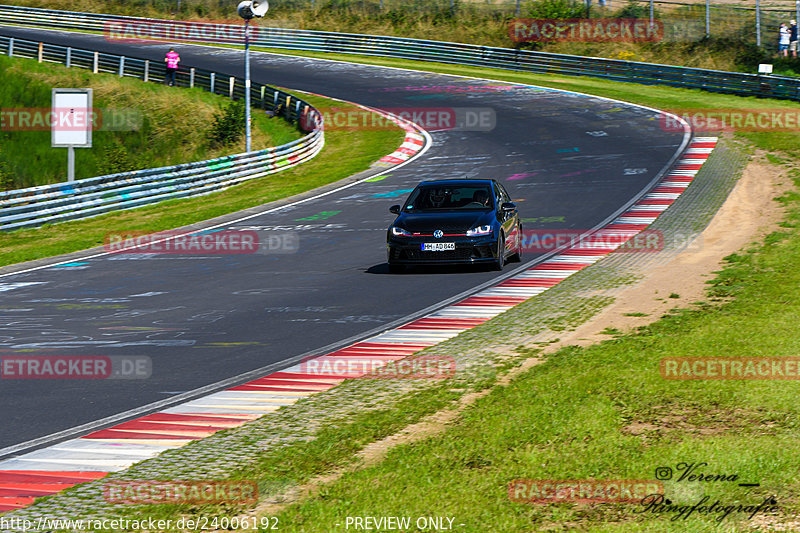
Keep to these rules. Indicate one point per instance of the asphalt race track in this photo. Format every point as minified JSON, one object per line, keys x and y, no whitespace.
{"x":569,"y":160}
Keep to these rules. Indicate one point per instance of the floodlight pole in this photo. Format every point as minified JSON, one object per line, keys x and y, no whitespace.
{"x":758,"y":23}
{"x":249,"y":9}
{"x":70,"y":163}
{"x":248,"y":133}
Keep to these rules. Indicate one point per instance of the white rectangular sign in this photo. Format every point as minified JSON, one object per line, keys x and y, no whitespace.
{"x":71,"y":122}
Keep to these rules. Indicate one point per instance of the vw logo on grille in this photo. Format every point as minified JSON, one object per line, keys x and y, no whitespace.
{"x":438,"y":234}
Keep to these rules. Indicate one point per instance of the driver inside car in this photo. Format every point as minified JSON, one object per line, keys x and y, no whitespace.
{"x":481,"y":197}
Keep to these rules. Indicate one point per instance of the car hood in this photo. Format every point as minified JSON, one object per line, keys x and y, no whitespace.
{"x":450,"y":221}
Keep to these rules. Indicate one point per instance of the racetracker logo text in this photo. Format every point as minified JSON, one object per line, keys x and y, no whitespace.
{"x":585,"y":30}
{"x":378,"y":367}
{"x":67,"y":119}
{"x":428,"y":118}
{"x":75,"y":367}
{"x":548,"y":240}
{"x":180,"y":492}
{"x":714,"y":120}
{"x":173,"y":242}
{"x":695,"y":368}
{"x":584,"y":490}
{"x":142,"y":31}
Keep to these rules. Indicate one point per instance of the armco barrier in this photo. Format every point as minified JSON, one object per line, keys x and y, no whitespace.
{"x":34,"y":206}
{"x":463,"y":54}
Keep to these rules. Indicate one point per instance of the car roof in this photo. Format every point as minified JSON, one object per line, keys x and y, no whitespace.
{"x":457,"y":182}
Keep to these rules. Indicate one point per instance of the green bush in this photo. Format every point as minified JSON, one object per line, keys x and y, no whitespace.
{"x":116,"y":159}
{"x":396,"y":17}
{"x":556,"y":9}
{"x":228,"y":126}
{"x":635,"y":10}
{"x":6,"y":178}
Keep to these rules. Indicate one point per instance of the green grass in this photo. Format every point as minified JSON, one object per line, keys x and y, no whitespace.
{"x":171,"y":125}
{"x":605,"y":412}
{"x":345,"y":153}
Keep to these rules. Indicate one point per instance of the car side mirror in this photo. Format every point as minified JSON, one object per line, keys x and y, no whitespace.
{"x":507,"y":207}
{"x":395,"y":209}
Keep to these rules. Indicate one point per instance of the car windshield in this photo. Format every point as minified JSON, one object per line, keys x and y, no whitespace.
{"x":449,"y":198}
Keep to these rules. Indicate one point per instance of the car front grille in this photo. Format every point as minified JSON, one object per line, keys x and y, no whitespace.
{"x":459,"y":254}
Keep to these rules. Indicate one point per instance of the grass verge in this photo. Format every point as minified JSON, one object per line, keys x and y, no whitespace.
{"x":141,"y":125}
{"x":345,"y":153}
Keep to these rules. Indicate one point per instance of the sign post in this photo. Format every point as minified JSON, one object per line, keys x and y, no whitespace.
{"x":71,"y":123}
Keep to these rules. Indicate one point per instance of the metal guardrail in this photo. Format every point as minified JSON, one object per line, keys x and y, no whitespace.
{"x":462,"y":54}
{"x":34,"y":206}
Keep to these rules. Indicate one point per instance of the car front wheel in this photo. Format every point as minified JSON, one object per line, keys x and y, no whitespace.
{"x":499,"y":260}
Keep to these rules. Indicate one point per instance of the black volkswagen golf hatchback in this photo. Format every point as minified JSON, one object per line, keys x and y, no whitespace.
{"x":455,"y":222}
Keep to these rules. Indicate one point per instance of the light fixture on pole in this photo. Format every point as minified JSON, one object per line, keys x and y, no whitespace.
{"x":249,"y":9}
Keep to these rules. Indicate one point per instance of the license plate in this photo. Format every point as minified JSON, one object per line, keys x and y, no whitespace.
{"x":438,"y":246}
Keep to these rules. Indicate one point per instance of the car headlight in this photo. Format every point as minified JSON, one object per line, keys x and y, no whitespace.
{"x":480,"y":230}
{"x":400,"y":232}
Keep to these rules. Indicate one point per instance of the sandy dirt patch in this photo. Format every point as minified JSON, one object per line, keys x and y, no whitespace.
{"x":748,"y":214}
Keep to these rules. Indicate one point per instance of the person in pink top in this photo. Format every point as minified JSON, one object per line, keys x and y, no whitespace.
{"x":172,"y":61}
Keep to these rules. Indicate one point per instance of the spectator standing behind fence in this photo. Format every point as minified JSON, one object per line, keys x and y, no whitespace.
{"x":172,"y":61}
{"x":783,"y":43}
{"x":793,"y":37}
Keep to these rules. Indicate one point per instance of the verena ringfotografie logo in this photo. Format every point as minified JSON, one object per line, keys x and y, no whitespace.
{"x":696,"y":368}
{"x":582,"y":491}
{"x":377,"y":367}
{"x":428,"y":118}
{"x":67,"y":119}
{"x":211,"y":242}
{"x":731,"y":120}
{"x":180,"y":492}
{"x":75,"y":367}
{"x":585,"y":30}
